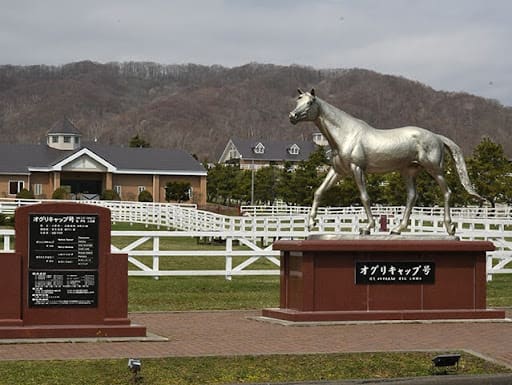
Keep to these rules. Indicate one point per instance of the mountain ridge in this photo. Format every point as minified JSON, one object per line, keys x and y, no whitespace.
{"x":198,"y":108}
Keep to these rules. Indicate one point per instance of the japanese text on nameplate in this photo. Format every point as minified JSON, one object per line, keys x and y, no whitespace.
{"x":384,"y":272}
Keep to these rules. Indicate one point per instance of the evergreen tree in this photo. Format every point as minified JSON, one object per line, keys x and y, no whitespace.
{"x":491,"y":172}
{"x":225,"y":183}
{"x":137,"y":141}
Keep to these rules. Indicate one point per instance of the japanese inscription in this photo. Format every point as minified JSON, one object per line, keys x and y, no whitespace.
{"x":395,"y":272}
{"x":63,"y":241}
{"x":63,"y":260}
{"x":63,"y":288}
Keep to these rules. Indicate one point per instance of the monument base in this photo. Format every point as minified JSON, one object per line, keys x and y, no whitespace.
{"x":371,"y":279}
{"x":404,"y":315}
{"x":71,"y":331}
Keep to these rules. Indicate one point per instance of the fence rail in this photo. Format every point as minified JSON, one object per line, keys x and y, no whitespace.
{"x":256,"y":232}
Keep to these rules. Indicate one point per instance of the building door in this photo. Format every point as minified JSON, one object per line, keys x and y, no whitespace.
{"x":83,"y":189}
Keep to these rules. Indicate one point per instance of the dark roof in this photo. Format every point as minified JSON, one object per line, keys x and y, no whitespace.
{"x":18,"y":158}
{"x":275,"y":150}
{"x":137,"y":158}
{"x":64,"y":126}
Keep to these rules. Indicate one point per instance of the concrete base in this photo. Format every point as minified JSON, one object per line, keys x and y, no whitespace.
{"x":72,"y":331}
{"x":411,"y":315}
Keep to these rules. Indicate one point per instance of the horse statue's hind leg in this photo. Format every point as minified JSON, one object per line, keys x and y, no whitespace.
{"x":441,"y":181}
{"x":330,"y":180}
{"x":365,"y":198}
{"x":409,"y":176}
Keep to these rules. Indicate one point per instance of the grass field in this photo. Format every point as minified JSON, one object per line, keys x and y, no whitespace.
{"x":202,"y":293}
{"x":239,"y":369}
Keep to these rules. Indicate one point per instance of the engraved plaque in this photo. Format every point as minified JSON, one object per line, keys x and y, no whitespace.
{"x":63,"y":241}
{"x":63,"y":288}
{"x":398,"y":272}
{"x":63,"y":260}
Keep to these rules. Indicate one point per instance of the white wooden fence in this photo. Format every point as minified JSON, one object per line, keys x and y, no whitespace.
{"x":248,"y":238}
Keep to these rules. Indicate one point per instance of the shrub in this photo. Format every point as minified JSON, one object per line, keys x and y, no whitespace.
{"x":25,"y":194}
{"x":61,"y":193}
{"x":110,"y":195}
{"x":6,"y":220}
{"x":145,"y":196}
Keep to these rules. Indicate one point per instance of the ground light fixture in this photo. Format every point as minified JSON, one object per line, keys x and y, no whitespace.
{"x":446,"y":360}
{"x":134,"y":365}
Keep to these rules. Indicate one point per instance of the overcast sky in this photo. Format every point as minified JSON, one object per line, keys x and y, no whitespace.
{"x":453,"y":45}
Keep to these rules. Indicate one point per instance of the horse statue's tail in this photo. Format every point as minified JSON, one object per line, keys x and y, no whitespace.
{"x":460,"y":165}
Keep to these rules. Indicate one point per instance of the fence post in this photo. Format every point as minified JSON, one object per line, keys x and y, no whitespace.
{"x":229,"y":257}
{"x":156,"y":257}
{"x":7,"y":243}
{"x":488,"y":267}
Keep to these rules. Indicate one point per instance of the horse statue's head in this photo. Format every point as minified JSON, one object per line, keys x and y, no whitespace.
{"x":306,"y":108}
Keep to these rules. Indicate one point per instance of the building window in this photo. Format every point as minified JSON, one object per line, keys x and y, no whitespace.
{"x":259,"y":149}
{"x":38,"y":189}
{"x":77,"y":139}
{"x":141,"y":189}
{"x":55,"y":139}
{"x":15,"y":186}
{"x":117,"y":189}
{"x":67,"y":139}
{"x":234,"y":154}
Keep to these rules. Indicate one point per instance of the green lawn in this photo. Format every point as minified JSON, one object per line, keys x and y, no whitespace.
{"x":238,"y":369}
{"x":202,"y":293}
{"x":499,"y":291}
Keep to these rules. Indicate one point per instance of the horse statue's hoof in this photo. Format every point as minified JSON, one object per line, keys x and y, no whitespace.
{"x":395,"y":232}
{"x":312,"y":224}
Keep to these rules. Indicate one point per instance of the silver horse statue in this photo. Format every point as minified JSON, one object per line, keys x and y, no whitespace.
{"x":358,"y":148}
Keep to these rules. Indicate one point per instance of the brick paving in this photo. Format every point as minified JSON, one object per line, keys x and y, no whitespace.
{"x":238,"y":333}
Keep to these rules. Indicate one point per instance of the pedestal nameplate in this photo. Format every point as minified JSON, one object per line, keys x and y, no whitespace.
{"x":396,"y":272}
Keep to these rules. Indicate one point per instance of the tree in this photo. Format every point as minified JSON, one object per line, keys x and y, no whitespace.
{"x":491,"y":172}
{"x":177,"y":191}
{"x":307,"y":178}
{"x":225,"y":183}
{"x":284,"y":184}
{"x":265,"y":185}
{"x":137,"y":141}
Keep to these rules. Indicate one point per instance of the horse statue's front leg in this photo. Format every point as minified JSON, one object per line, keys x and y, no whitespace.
{"x":330,"y":180}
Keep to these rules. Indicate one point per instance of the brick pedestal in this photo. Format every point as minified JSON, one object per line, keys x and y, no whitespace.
{"x":318,"y":280}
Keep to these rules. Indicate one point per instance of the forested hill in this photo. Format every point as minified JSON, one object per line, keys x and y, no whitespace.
{"x":198,"y":108}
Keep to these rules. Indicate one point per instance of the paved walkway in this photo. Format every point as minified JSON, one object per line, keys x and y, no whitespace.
{"x":238,"y":333}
